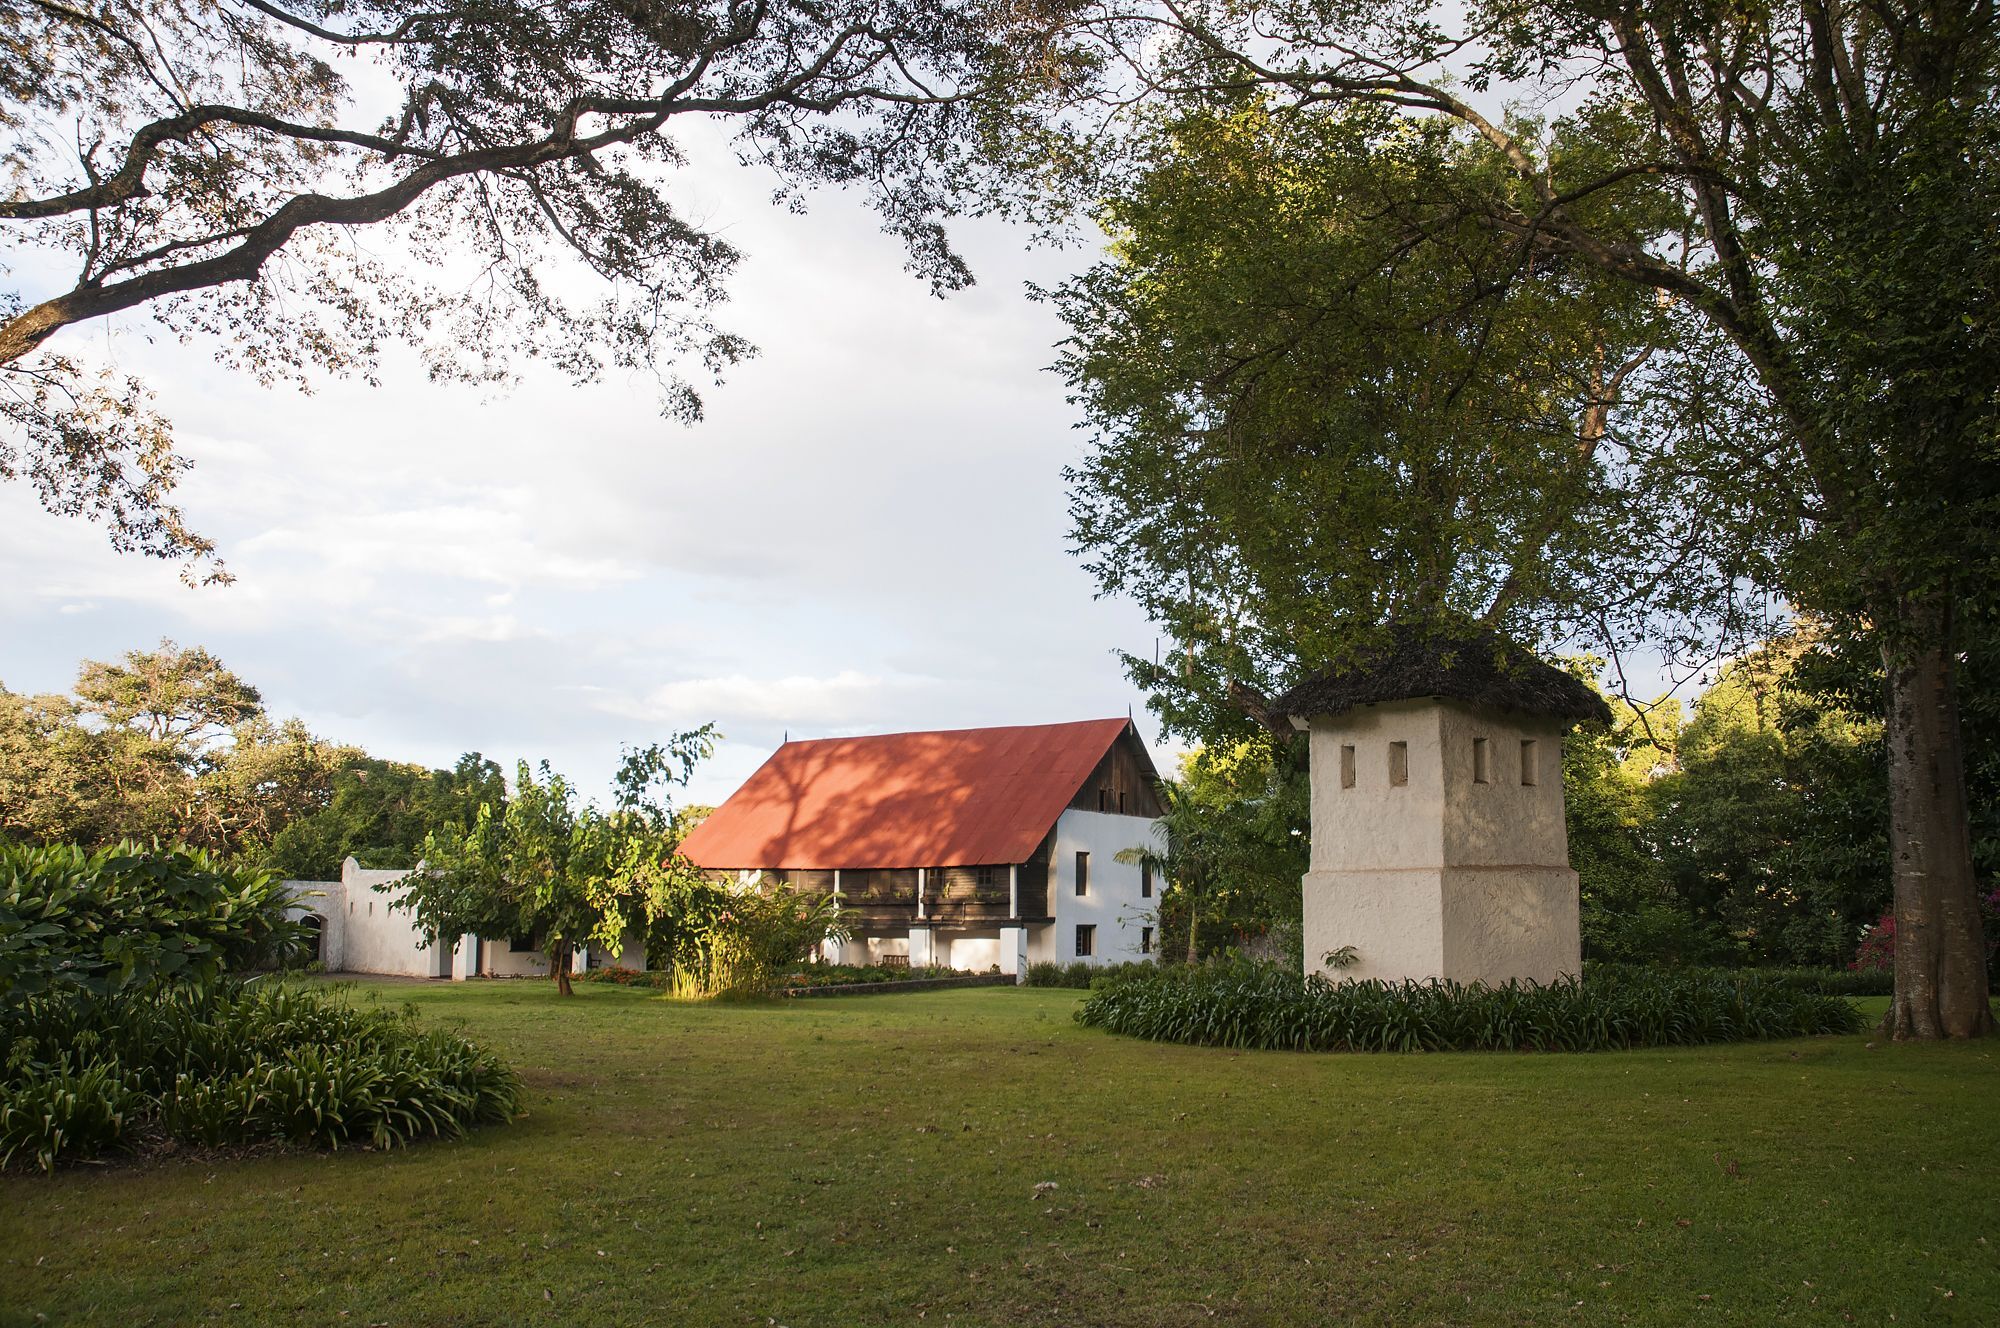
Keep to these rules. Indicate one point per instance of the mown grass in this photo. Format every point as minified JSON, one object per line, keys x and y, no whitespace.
{"x":976,"y":1157}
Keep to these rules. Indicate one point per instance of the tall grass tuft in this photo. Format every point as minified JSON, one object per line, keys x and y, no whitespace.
{"x":229,"y":1064}
{"x":1252,"y":1006}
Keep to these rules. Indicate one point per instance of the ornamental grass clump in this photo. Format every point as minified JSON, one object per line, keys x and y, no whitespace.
{"x":1260,"y":1007}
{"x":232,"y":1064}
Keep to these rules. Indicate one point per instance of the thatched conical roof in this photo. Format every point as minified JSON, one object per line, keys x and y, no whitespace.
{"x":1478,"y":668}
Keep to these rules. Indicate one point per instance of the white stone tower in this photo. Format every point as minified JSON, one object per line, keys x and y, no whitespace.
{"x":1438,"y":842}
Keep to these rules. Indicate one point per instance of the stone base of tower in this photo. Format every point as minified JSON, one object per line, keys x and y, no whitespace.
{"x":1464,"y":924}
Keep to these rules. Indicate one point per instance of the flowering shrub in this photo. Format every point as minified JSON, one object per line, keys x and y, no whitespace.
{"x":1878,"y":943}
{"x":1878,"y":946}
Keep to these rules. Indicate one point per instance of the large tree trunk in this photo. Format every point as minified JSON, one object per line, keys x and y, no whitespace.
{"x":1940,"y":948}
{"x":559,"y":955}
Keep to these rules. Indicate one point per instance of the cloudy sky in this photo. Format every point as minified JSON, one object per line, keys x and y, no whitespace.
{"x":865,"y":534}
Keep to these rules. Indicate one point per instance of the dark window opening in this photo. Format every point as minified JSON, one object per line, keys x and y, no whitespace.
{"x":1086,"y":939}
{"x":1082,"y":871}
{"x":522,"y":945}
{"x":1145,"y":940}
{"x":1399,"y":763}
{"x":1347,"y":765}
{"x":1145,"y":880}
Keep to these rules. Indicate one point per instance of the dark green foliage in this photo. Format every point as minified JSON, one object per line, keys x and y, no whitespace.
{"x":119,"y":919}
{"x":1080,"y":975}
{"x":1265,"y":1008}
{"x":805,"y":975}
{"x":379,"y":812}
{"x":1821,"y":981}
{"x":233,"y":1063}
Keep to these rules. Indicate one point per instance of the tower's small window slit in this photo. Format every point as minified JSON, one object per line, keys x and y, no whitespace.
{"x":1347,"y":765}
{"x":1482,"y":761}
{"x":1399,"y":763}
{"x":1529,"y":772}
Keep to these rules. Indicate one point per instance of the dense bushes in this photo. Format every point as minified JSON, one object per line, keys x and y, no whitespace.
{"x":1819,"y":981}
{"x":121,"y":1027}
{"x":1080,"y":974}
{"x":123,"y":919}
{"x":230,"y":1063}
{"x":801,"y":975}
{"x":1257,"y":1006}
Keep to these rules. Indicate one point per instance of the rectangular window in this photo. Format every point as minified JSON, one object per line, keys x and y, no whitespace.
{"x":521,"y":945}
{"x":1482,"y":761}
{"x":1145,"y":880}
{"x":1101,"y":796}
{"x":1399,"y":763}
{"x":1347,"y":765}
{"x":1145,"y":940}
{"x":1086,"y":939}
{"x":1082,"y":871}
{"x":1529,"y":774}
{"x":987,"y":877}
{"x":1121,"y":804}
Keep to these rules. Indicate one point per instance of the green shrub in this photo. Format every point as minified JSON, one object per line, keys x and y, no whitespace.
{"x":119,"y":919}
{"x":1081,"y":974}
{"x":1822,"y":981}
{"x":801,"y":975}
{"x":1246,"y":1005}
{"x":233,"y":1063}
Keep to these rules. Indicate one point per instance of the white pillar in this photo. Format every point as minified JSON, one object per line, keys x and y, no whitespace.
{"x":1013,"y":951}
{"x":920,"y":892}
{"x":465,"y":958}
{"x":1013,"y":893}
{"x":923,"y":949}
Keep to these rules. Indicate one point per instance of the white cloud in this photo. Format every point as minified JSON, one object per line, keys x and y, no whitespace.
{"x":865,"y":533}
{"x":804,"y":702}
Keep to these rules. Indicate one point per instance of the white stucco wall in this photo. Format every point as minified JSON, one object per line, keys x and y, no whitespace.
{"x":326,"y":900}
{"x":378,"y":938}
{"x":365,"y":934}
{"x":1111,"y":900}
{"x":1444,"y":876}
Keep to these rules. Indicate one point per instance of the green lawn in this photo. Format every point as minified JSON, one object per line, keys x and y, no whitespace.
{"x":974,"y":1156}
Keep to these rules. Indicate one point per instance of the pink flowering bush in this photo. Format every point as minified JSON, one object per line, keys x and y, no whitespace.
{"x":1878,"y":943}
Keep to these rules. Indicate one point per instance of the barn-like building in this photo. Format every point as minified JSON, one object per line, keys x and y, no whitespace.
{"x":972,"y":848}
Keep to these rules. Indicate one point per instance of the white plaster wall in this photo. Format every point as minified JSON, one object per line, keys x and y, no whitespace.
{"x":378,"y":938}
{"x":1013,"y":950}
{"x":631,"y":953}
{"x":1376,"y":824}
{"x":1503,"y":822}
{"x":1511,"y":924}
{"x":327,"y":899}
{"x":1393,"y":919}
{"x":1443,"y":877}
{"x":1112,"y":901}
{"x":872,"y":949}
{"x":973,"y":954}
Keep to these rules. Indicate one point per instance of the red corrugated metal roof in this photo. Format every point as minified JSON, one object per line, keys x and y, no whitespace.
{"x":959,"y":797}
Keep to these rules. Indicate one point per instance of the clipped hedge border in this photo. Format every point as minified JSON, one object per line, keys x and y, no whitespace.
{"x":912,"y":984}
{"x":1258,"y":1007}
